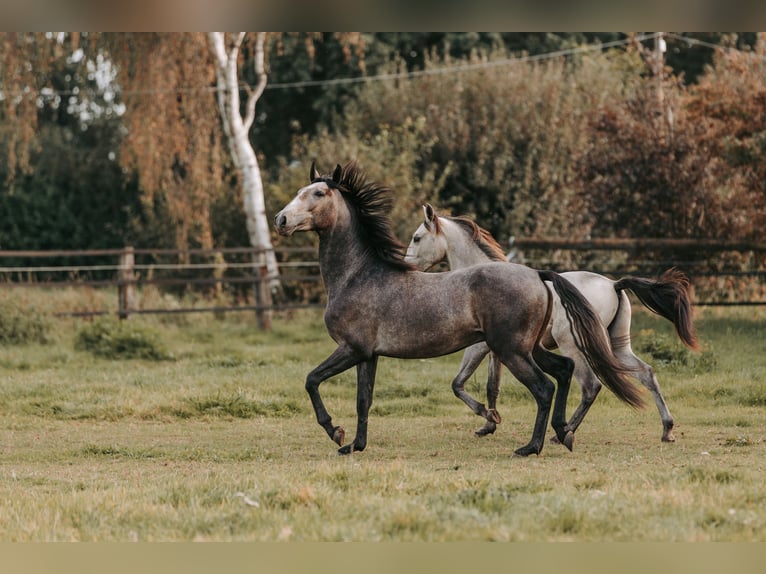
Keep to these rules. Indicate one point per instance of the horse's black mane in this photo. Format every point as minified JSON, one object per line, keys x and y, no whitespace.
{"x":482,"y":238}
{"x":372,"y":202}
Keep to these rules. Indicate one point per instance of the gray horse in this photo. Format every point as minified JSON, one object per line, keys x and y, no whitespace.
{"x":379,"y":305}
{"x":463,"y":243}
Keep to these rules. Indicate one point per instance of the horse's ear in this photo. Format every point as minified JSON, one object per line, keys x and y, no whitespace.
{"x":429,"y":212}
{"x":337,"y":173}
{"x":314,"y":174}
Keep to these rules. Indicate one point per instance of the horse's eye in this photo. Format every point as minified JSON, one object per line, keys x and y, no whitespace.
{"x":416,"y":239}
{"x":319,"y":193}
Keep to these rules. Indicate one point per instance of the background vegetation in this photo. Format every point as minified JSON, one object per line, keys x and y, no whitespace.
{"x":111,"y":139}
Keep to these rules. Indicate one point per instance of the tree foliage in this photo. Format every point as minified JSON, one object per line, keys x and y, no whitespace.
{"x":63,"y":186}
{"x":730,"y":101}
{"x":173,"y":136}
{"x":504,"y":138}
{"x":572,"y":146}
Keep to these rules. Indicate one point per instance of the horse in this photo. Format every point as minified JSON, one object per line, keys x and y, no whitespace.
{"x":380,"y":305}
{"x":463,"y":243}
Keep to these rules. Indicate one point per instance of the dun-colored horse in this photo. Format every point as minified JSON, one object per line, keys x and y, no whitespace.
{"x":379,"y":305}
{"x":463,"y":243}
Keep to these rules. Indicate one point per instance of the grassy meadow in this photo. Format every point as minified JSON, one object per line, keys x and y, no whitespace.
{"x":197,"y":427}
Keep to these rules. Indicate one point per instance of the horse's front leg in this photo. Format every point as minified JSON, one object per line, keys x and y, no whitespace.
{"x":365,"y":383}
{"x":472,"y":358}
{"x":341,"y":359}
{"x":493,"y":391}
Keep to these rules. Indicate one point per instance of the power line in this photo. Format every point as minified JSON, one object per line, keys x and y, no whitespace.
{"x":695,"y":42}
{"x":50,"y":93}
{"x":598,"y":47}
{"x":465,"y":67}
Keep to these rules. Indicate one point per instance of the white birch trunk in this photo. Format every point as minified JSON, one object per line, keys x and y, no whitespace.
{"x":237,"y":129}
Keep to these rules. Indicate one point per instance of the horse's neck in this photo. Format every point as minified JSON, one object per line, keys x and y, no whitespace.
{"x":462,"y":250}
{"x":341,"y":257}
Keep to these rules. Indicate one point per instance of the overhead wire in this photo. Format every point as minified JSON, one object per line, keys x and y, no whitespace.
{"x":48,"y":92}
{"x":696,"y":42}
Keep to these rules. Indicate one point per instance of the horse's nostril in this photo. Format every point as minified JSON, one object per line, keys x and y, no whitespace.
{"x":280,"y":221}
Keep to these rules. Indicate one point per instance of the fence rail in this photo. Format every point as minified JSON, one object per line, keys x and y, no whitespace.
{"x":635,"y":244}
{"x":135,"y":268}
{"x":726,"y":273}
{"x":131,"y":269}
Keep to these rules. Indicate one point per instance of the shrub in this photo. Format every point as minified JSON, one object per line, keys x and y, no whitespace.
{"x":20,"y":324}
{"x":663,"y":350}
{"x":112,"y":339}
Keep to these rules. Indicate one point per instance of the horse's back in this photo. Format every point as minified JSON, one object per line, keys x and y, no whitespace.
{"x":417,"y":315}
{"x":507,"y":278}
{"x":509,"y":303}
{"x":508,"y":293}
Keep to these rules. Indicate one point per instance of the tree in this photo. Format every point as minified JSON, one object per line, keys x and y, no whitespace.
{"x":60,"y":184}
{"x":226,"y":54}
{"x":730,"y":101}
{"x":173,"y":143}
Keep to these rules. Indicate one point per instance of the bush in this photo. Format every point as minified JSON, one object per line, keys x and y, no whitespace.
{"x":112,"y":339}
{"x":20,"y":324}
{"x":666,"y":351}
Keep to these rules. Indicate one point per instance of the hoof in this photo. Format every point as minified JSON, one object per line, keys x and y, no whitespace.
{"x":339,"y":435}
{"x":525,"y":451}
{"x":488,"y":428}
{"x":667,"y":432}
{"x":349,"y":448}
{"x":494,"y":416}
{"x":555,"y":440}
{"x":569,"y":440}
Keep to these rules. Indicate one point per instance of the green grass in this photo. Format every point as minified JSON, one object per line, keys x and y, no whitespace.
{"x":220,"y":443}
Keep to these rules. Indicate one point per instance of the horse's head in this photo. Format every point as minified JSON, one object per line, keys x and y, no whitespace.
{"x":314,"y":207}
{"x":428,"y":245}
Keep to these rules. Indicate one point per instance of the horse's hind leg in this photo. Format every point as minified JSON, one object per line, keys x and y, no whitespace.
{"x":472,"y":358}
{"x":342,"y":358}
{"x":645,"y":374}
{"x":524,"y":368}
{"x":589,"y":383}
{"x":619,"y":332}
{"x":590,"y":387}
{"x":561,"y":368}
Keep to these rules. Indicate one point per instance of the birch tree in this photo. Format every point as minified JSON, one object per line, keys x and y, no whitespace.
{"x":236,"y":126}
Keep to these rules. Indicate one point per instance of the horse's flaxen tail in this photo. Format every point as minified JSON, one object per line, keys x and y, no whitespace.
{"x":667,"y":296}
{"x":593,"y":341}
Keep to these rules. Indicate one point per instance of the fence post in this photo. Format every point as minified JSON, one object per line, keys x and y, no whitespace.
{"x":126,"y":287}
{"x":263,"y":299}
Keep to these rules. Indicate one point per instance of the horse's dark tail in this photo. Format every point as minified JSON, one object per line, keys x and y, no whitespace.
{"x":667,"y":296}
{"x":591,"y":338}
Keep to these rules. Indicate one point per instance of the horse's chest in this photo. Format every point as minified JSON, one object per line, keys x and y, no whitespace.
{"x":351,"y":321}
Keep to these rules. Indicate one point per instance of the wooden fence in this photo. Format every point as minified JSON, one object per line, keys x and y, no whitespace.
{"x":211,"y":270}
{"x":129,"y":269}
{"x":724,"y":272}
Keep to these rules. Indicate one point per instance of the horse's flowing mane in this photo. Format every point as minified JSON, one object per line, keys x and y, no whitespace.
{"x":372,"y":202}
{"x":481,"y":237}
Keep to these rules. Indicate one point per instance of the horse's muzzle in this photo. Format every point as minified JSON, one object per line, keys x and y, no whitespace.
{"x":280,"y":222}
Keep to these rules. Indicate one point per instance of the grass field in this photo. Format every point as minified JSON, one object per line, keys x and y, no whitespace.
{"x":209,"y":435}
